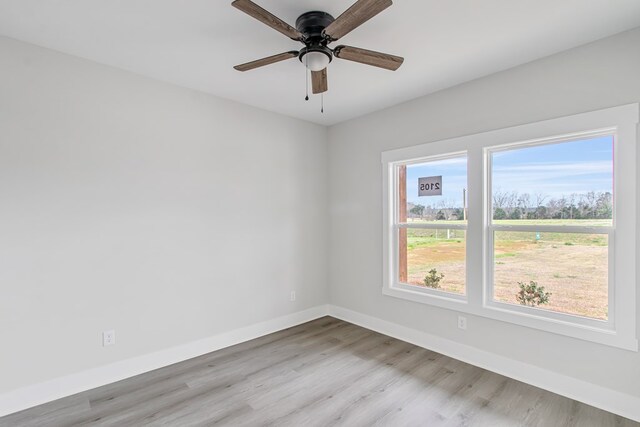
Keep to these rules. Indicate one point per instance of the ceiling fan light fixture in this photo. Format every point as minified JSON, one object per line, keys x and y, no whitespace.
{"x":316,"y":61}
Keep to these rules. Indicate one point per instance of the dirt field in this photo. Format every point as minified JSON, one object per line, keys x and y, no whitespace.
{"x":576,"y":275}
{"x":573,"y":267}
{"x":447,"y":257}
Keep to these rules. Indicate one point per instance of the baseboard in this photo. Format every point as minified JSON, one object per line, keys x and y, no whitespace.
{"x":37,"y":394}
{"x":609,"y":400}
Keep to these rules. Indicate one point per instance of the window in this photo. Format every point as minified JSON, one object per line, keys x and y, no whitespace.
{"x":533,"y":225}
{"x":431,"y":224}
{"x":551,"y":226}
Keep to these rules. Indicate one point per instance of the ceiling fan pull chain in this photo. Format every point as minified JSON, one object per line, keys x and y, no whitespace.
{"x":322,"y":102}
{"x":306,"y":79}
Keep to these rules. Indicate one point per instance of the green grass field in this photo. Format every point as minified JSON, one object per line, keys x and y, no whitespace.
{"x":572,"y":266}
{"x":579,"y":222}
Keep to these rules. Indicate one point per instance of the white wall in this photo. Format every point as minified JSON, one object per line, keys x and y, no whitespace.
{"x":129,"y":204}
{"x":602,"y":74}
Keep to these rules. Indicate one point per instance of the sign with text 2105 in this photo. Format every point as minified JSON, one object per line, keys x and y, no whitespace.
{"x":430,"y":186}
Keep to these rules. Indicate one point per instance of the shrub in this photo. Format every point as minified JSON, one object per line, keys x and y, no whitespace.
{"x":432,"y":280}
{"x":499,"y":213}
{"x":531,"y":294}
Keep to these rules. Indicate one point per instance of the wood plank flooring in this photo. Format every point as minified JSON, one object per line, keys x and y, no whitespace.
{"x":322,"y":373}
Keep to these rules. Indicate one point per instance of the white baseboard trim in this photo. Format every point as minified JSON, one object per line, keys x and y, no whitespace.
{"x":604,"y":398}
{"x":37,"y":394}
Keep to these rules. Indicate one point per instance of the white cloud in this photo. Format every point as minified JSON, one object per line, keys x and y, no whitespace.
{"x":555,"y":179}
{"x":564,"y":168}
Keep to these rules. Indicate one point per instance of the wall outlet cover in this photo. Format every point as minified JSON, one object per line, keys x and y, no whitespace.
{"x":108,"y":338}
{"x":462,"y":322}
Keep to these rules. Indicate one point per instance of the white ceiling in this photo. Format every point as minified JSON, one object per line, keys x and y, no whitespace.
{"x":195,"y":43}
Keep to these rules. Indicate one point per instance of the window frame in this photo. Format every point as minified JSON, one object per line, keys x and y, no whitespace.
{"x":620,"y":328}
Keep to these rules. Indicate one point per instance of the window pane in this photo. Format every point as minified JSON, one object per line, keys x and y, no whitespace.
{"x":572,"y":267}
{"x":567,"y":183}
{"x":434,"y":259}
{"x":434,"y":191}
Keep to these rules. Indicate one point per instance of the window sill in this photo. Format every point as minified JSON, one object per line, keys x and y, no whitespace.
{"x":591,"y":330}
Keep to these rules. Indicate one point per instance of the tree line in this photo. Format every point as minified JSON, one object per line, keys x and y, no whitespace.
{"x":515,"y":205}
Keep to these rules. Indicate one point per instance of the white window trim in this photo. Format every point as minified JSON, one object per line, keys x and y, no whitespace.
{"x":620,"y":329}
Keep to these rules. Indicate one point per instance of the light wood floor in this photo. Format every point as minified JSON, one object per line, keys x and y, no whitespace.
{"x":322,"y":373}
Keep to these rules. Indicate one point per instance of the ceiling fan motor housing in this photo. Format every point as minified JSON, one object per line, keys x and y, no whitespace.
{"x":311,"y":25}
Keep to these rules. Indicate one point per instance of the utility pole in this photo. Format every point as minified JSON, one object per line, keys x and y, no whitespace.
{"x":464,"y":204}
{"x":402,"y":217}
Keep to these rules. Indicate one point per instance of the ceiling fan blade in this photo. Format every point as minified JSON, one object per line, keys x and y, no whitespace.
{"x":319,"y":81}
{"x":368,"y":57}
{"x":266,"y":17}
{"x":359,"y":13}
{"x":266,"y":61}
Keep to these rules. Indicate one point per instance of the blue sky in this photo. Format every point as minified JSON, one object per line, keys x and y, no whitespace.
{"x":553,"y":169}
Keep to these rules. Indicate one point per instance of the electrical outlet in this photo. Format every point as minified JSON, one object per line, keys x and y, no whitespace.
{"x":462,"y":322}
{"x":108,"y":338}
{"x":293,"y":295}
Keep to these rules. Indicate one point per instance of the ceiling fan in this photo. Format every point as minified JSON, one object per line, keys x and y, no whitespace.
{"x":316,"y":30}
